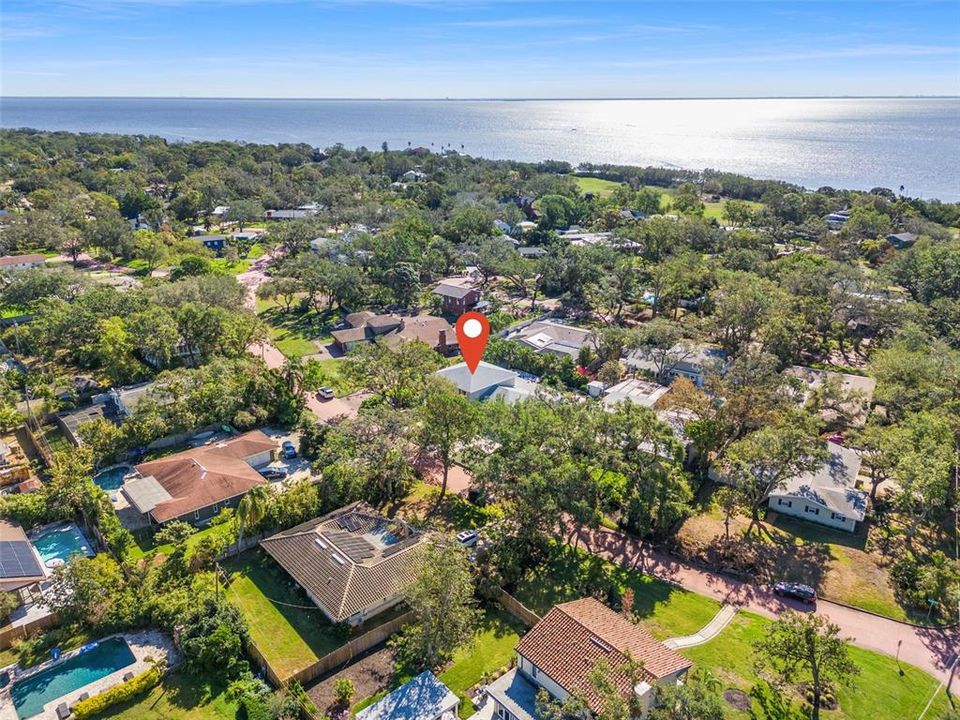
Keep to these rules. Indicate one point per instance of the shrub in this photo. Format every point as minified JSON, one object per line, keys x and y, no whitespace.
{"x":129,"y":690}
{"x":9,"y":601}
{"x":343,"y":690}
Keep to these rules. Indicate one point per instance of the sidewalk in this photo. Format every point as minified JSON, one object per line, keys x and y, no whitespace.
{"x":928,"y":648}
{"x":708,"y":632}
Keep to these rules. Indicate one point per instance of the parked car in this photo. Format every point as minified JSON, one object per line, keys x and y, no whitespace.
{"x":325,"y":393}
{"x":467,"y":538}
{"x":797,"y":591}
{"x":274,"y":473}
{"x":288,"y":450}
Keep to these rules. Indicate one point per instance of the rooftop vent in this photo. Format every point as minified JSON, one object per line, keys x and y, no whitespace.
{"x":600,"y":644}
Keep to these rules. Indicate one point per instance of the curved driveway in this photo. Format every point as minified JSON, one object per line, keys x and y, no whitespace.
{"x":931,"y":649}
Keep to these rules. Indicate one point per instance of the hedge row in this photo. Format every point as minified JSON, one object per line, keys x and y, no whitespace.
{"x":134,"y":687}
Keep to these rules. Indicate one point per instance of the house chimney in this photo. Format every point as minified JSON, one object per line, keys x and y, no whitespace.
{"x":443,"y":342}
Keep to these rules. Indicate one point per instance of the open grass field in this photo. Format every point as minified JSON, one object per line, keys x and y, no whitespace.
{"x":596,"y":186}
{"x":289,"y":629}
{"x":666,"y":610}
{"x":878,"y":693}
{"x":178,"y":697}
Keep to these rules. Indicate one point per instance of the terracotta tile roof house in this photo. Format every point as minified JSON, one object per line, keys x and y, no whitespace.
{"x":560,"y":650}
{"x":197,"y":483}
{"x":353,"y":563}
{"x":367,"y":327}
{"x":21,"y":262}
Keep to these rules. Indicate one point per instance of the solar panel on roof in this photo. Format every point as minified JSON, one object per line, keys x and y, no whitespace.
{"x":17,"y":560}
{"x":349,"y":522}
{"x":354,"y":546}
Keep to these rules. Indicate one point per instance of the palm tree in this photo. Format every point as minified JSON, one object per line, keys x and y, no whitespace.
{"x":251,"y":510}
{"x":292,"y":373}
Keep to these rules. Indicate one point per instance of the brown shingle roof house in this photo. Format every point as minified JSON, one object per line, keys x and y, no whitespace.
{"x":197,"y":483}
{"x":560,"y":651}
{"x":353,"y":563}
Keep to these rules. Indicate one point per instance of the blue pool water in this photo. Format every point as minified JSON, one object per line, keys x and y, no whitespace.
{"x":30,"y":695}
{"x":62,"y":542}
{"x":112,"y":479}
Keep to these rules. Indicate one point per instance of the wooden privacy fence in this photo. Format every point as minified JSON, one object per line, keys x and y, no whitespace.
{"x":341,"y":655}
{"x":12,"y":633}
{"x":516,"y":608}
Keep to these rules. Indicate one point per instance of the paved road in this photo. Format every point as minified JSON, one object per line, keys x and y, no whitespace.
{"x":931,"y":649}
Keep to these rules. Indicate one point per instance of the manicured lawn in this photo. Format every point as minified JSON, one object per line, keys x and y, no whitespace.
{"x":492,"y":650}
{"x":222,"y":265}
{"x":330,"y":373}
{"x":145,"y":540}
{"x":296,"y":333}
{"x":665,"y":609}
{"x":287,"y":627}
{"x":879,"y":691}
{"x":178,"y":697}
{"x":596,"y":186}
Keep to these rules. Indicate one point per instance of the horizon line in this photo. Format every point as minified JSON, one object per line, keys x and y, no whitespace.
{"x":479,"y":98}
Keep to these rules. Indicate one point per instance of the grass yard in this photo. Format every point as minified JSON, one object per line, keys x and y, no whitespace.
{"x":879,"y":692}
{"x":55,"y":439}
{"x":666,"y":610}
{"x":491,"y":650}
{"x":289,"y":629}
{"x":596,"y":186}
{"x":145,"y":543}
{"x":36,"y":650}
{"x":296,"y":334}
{"x":178,"y":697}
{"x":454,"y":514}
{"x":328,"y":372}
{"x":224,"y":266}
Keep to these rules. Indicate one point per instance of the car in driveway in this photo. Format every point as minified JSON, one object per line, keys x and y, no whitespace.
{"x":274,"y":473}
{"x":325,"y":393}
{"x":288,"y":450}
{"x":467,"y":538}
{"x":797,"y":591}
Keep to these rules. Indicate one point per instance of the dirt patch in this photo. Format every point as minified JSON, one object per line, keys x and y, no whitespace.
{"x":737,"y":699}
{"x":370,"y":674}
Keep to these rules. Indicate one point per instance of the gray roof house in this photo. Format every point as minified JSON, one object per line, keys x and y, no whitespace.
{"x":902,"y":240}
{"x":857,"y":391}
{"x":488,"y":381}
{"x":423,"y":698}
{"x":829,"y":495}
{"x":694,"y":361}
{"x":552,"y":338}
{"x":353,"y":563}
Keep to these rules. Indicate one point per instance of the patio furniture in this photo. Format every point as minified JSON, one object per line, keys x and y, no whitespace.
{"x":63,"y":712}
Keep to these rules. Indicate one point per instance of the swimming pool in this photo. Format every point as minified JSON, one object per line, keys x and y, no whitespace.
{"x":31,"y":694}
{"x":112,"y":478}
{"x":57,"y":544}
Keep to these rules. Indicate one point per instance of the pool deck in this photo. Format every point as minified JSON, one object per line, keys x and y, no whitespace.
{"x":146,"y":644}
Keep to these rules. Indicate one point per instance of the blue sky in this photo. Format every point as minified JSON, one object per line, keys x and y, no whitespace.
{"x":464,"y":48}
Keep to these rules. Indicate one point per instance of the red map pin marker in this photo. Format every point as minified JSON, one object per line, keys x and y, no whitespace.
{"x":473,"y":331}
